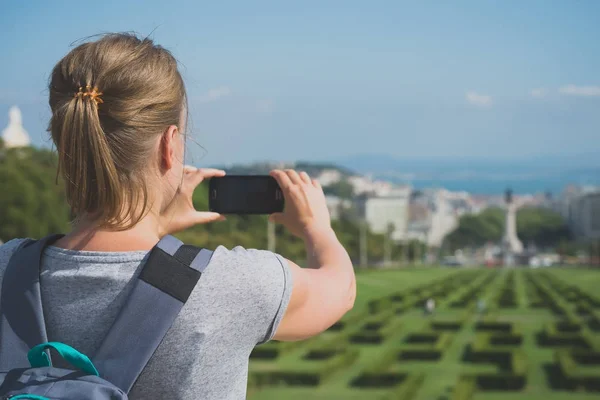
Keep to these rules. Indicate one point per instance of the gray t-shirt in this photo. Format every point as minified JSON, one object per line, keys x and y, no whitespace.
{"x":237,"y":304}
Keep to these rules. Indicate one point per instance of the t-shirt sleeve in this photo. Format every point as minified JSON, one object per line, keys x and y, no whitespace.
{"x":266,"y":280}
{"x":285,"y":288}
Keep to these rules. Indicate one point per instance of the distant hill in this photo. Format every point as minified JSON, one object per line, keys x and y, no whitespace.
{"x":384,"y":163}
{"x":482,"y":175}
{"x":263,"y":168}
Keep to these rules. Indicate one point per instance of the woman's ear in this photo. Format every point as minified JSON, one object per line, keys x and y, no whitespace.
{"x":167,"y":147}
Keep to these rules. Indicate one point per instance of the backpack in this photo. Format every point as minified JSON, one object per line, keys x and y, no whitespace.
{"x":165,"y":283}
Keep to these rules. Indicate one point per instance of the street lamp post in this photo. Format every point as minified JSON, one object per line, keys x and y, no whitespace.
{"x":271,"y":238}
{"x":363,"y":243}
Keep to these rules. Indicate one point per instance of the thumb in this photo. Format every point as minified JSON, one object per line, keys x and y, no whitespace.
{"x":204,"y":217}
{"x":276,"y":218}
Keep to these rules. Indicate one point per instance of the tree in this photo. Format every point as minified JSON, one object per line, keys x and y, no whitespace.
{"x":342,"y":189}
{"x":32,"y":204}
{"x":476,"y":230}
{"x":540,"y":226}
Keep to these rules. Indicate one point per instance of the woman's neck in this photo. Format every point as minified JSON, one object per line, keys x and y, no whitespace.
{"x":86,"y":235}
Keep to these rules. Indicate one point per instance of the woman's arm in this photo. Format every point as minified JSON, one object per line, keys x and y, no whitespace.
{"x":325,"y":291}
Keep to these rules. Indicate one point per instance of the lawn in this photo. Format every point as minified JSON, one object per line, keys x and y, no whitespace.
{"x":538,"y":338}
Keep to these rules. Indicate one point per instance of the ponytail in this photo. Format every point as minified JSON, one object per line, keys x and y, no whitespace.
{"x":86,"y":161}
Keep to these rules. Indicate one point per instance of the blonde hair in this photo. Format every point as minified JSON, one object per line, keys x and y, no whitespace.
{"x":111,"y":99}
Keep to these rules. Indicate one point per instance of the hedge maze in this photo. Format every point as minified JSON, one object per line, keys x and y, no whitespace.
{"x":495,"y":334}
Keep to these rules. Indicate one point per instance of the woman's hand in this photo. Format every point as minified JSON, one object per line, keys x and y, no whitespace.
{"x":305,"y":206}
{"x":180,"y":214}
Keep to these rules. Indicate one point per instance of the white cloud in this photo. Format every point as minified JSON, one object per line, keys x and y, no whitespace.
{"x":479,"y":100}
{"x":265,"y":106}
{"x":215,"y":94}
{"x":586,"y":91}
{"x":538,"y":93}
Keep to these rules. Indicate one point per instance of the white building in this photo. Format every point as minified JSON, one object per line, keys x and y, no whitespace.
{"x":383,"y":212}
{"x":366,"y":185}
{"x":435,"y":214}
{"x":583,"y":213}
{"x":329,"y":176}
{"x":336,"y":205}
{"x":444,"y":219}
{"x":14,"y":135}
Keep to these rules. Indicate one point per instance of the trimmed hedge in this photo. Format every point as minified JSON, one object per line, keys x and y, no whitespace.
{"x":367,"y":338}
{"x":378,"y":380}
{"x":264,"y":353}
{"x":501,"y":382}
{"x":320,"y":354}
{"x":408,"y":389}
{"x":306,"y":373}
{"x":578,"y":369}
{"x":567,"y":327}
{"x":425,"y":346}
{"x":271,"y":350}
{"x":506,"y":340}
{"x":493,"y":326}
{"x":376,"y":328}
{"x":562,"y":334}
{"x":420,"y":355}
{"x":448,"y":325}
{"x":422,"y":338}
{"x":379,"y":305}
{"x":512,"y":375}
{"x":465,"y":388}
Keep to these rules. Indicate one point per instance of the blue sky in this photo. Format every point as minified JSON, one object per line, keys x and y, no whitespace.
{"x":322,"y":80}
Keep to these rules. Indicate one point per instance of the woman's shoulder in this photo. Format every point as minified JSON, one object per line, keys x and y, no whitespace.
{"x":256,"y":281}
{"x":248,"y":261}
{"x":242,"y":253}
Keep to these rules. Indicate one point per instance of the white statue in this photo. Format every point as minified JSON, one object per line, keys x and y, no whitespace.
{"x":14,"y":135}
{"x":511,"y":243}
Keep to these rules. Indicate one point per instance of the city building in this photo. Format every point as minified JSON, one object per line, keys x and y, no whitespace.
{"x":377,"y":188}
{"x":580,"y":207}
{"x":336,"y":205}
{"x":329,"y":176}
{"x":582,"y":211}
{"x":444,"y":218}
{"x":384,"y":212}
{"x":14,"y":135}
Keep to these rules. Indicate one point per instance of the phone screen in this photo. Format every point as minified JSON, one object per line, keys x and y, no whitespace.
{"x":245,"y":194}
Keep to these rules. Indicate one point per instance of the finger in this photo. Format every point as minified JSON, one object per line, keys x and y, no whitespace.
{"x":204,"y":217}
{"x":282,"y":179}
{"x":211,"y":172}
{"x":316,"y":184}
{"x":305,"y":178}
{"x":200,"y":174}
{"x":276,"y":218}
{"x":294,"y":177}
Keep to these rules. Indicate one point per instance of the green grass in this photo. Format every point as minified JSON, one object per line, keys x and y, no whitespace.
{"x":456,"y":292}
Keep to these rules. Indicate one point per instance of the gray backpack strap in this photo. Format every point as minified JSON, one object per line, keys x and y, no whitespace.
{"x":21,"y":313}
{"x":162,"y":288}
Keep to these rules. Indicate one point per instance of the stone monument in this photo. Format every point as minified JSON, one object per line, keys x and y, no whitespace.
{"x":14,"y":135}
{"x":511,"y":244}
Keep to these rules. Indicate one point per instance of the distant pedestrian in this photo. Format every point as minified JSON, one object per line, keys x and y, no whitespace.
{"x":429,"y":306}
{"x":481,"y":306}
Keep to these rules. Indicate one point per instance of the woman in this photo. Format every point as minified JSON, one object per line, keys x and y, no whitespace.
{"x":118,"y":121}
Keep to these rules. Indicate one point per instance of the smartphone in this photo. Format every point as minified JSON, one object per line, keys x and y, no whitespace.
{"x":245,"y":194}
